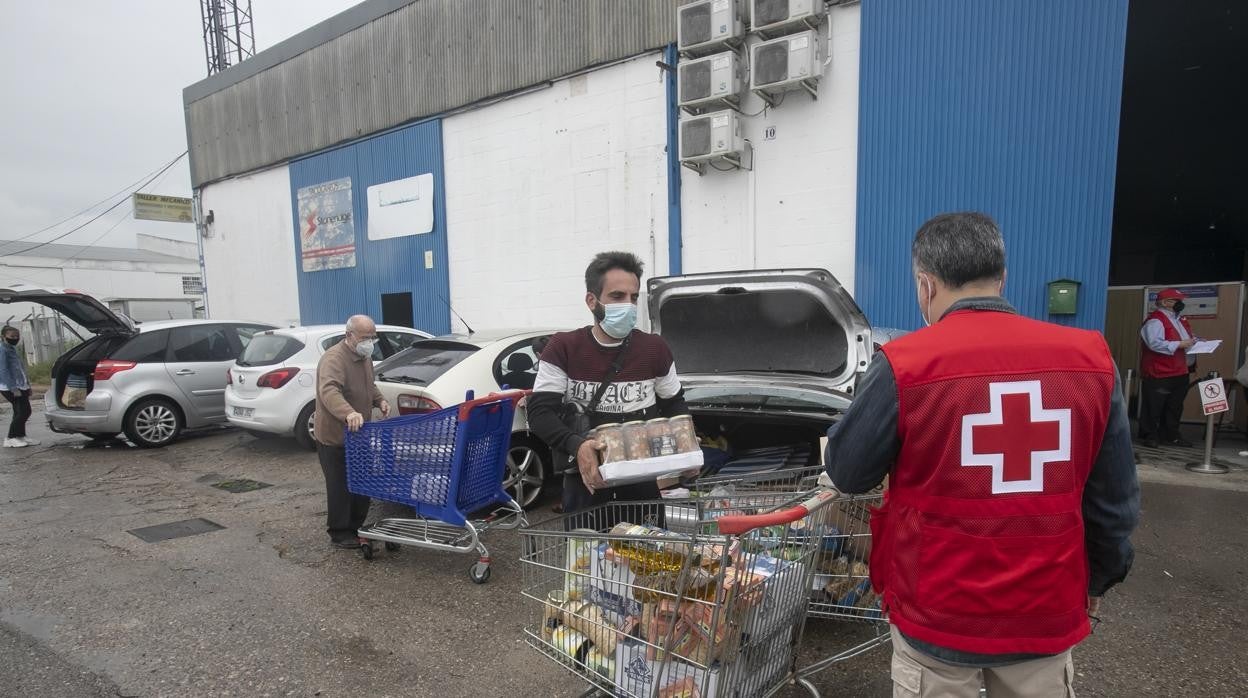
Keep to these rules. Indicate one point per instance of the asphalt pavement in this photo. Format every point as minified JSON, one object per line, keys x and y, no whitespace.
{"x":264,"y":607}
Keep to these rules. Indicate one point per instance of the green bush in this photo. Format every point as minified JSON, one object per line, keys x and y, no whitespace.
{"x":40,"y":374}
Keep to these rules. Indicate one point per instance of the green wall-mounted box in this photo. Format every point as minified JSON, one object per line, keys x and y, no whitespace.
{"x":1063,"y":297}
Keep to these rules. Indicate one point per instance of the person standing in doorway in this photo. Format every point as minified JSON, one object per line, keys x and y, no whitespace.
{"x":1012,"y":490}
{"x":15,"y":386}
{"x":345,"y":397}
{"x":1165,"y":365}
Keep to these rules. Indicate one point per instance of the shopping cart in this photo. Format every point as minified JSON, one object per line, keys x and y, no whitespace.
{"x":445,"y":465}
{"x":718,"y":610}
{"x":840,"y":585}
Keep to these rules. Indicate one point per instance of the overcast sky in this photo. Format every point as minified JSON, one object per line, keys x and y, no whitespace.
{"x":93,"y":102}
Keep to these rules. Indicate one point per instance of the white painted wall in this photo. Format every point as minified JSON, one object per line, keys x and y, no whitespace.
{"x":796,"y":208}
{"x":249,"y":251}
{"x":538,"y":184}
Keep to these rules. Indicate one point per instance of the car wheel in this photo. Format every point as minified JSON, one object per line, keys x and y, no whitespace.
{"x":526,"y":471}
{"x":153,"y":423}
{"x":102,"y":435}
{"x":305,"y":427}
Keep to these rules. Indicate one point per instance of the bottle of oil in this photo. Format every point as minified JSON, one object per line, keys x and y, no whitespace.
{"x":667,"y":568}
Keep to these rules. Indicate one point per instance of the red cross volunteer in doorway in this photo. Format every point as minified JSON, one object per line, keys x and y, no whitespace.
{"x":1012,"y":490}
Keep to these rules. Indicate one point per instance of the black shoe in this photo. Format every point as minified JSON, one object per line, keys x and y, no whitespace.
{"x":1182,"y":443}
{"x":347,"y":543}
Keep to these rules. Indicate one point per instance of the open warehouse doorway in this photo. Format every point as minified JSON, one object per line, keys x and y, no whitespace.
{"x":1180,"y":209}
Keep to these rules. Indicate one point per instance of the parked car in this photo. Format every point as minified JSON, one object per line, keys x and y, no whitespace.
{"x":436,"y":373}
{"x":150,"y":380}
{"x":271,"y":389}
{"x":883,"y":335}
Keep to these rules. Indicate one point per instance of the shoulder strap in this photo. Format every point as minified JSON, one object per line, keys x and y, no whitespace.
{"x":611,"y":372}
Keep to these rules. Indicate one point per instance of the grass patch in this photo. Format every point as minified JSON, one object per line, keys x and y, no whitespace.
{"x":40,"y":374}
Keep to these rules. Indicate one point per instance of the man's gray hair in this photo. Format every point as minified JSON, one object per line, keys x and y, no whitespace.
{"x":354,"y":321}
{"x":960,"y":248}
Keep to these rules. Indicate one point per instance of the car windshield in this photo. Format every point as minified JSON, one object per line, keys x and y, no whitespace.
{"x":764,"y":398}
{"x":269,"y":349}
{"x":423,"y":362}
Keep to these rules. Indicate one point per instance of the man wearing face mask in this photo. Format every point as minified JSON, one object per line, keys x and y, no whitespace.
{"x":1165,"y":364}
{"x":575,"y":365}
{"x":1012,"y":490}
{"x":345,"y":398}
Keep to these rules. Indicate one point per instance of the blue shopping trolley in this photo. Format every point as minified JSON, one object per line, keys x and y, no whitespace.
{"x":446,"y":465}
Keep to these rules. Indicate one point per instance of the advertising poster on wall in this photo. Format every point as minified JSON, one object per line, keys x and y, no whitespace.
{"x":326,"y":226}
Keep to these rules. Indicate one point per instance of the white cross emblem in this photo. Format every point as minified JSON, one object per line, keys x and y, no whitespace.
{"x":1016,"y":437}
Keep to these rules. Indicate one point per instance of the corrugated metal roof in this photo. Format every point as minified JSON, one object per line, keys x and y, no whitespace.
{"x":18,"y":248}
{"x":1011,"y":108}
{"x":388,"y":62}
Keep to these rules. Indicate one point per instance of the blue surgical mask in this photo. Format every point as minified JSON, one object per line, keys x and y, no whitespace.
{"x":618,"y":319}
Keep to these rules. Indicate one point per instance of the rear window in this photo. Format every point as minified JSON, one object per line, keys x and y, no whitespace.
{"x":269,"y":349}
{"x":147,"y":348}
{"x":424,"y":362}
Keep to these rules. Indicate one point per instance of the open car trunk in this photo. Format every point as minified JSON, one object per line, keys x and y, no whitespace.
{"x":738,"y":444}
{"x":73,"y":373}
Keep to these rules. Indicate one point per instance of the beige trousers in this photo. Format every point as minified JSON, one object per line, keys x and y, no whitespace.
{"x":916,"y":675}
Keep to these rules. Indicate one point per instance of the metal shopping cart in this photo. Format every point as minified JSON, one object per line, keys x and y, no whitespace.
{"x":445,"y":465}
{"x":637,"y":609}
{"x":840,"y":584}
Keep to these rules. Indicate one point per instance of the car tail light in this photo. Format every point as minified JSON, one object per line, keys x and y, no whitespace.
{"x":229,"y":376}
{"x":416,"y":404}
{"x":108,"y":368}
{"x":276,"y":379}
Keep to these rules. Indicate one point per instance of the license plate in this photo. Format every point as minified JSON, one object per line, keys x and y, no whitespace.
{"x":244,"y":411}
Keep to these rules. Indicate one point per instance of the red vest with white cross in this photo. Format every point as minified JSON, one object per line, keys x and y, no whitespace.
{"x":1154,"y":365}
{"x":979,"y":546}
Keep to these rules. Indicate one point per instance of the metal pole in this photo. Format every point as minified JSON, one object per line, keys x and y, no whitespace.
{"x":1208,"y":467}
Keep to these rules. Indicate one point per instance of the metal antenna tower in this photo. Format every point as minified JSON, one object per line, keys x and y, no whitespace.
{"x":228,"y":35}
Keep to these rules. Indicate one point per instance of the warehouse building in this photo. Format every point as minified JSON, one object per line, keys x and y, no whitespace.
{"x":407,"y":157}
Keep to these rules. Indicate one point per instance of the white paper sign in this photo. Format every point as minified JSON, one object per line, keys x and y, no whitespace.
{"x":1205,"y":346}
{"x":399,"y":208}
{"x":1212,"y":396}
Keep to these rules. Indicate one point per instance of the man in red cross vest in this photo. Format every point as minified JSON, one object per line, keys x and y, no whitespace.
{"x":1165,"y":338}
{"x":1012,"y":491}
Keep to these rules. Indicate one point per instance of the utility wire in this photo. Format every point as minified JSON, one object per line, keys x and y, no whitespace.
{"x":88,"y":246}
{"x":129,"y":188}
{"x":100,"y":215}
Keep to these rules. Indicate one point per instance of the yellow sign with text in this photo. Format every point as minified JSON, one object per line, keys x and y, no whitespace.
{"x":154,"y":207}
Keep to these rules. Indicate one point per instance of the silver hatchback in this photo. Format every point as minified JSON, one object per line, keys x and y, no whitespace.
{"x":149,"y":381}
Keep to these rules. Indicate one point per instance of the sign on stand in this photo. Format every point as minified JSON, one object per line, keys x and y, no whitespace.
{"x":1213,"y":396}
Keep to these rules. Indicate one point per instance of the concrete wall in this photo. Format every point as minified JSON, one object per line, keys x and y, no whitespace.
{"x":537,"y":184}
{"x":249,"y":248}
{"x":796,"y":208}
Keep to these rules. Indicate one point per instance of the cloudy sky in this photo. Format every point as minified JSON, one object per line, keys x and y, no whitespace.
{"x":94,"y":104}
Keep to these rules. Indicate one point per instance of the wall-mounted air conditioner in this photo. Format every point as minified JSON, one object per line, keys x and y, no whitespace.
{"x":713,"y":80}
{"x":713,"y":136}
{"x":771,"y":17}
{"x":789,"y":63}
{"x":704,"y":26}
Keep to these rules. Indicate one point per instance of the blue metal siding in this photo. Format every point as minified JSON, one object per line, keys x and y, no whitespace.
{"x":396,"y":265}
{"x":1011,"y":108}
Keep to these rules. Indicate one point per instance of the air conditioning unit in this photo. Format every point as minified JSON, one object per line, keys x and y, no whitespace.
{"x":789,"y":63}
{"x":704,"y":26}
{"x":777,"y":15}
{"x":712,"y":136}
{"x":711,"y":80}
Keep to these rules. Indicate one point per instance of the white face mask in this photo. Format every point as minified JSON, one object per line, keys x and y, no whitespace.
{"x":365,"y":347}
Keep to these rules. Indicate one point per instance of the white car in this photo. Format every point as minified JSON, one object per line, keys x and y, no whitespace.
{"x":271,"y":388}
{"x":436,"y":373}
